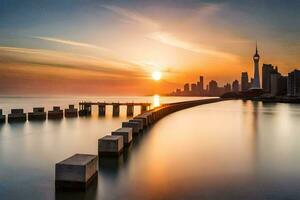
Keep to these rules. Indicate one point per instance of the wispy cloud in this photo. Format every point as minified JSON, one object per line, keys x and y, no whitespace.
{"x":134,"y":16}
{"x":171,"y":40}
{"x":71,"y":43}
{"x":42,"y":57}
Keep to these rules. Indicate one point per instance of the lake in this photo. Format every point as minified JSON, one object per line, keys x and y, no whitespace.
{"x":227,"y":150}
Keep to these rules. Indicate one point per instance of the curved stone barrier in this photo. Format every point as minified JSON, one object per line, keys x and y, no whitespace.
{"x":114,"y":144}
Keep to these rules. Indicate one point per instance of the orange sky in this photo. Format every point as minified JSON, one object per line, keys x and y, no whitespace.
{"x":112,"y":49}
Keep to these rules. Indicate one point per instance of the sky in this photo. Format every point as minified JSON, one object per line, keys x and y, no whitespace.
{"x":95,"y":47}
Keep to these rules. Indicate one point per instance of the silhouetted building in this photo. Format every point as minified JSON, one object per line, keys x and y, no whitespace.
{"x":267,"y":71}
{"x":194,"y":89}
{"x":235,"y":86}
{"x":278,"y":84}
{"x":186,"y":88}
{"x":245,"y":82}
{"x":256,"y":80}
{"x":293,"y":83}
{"x":213,"y":88}
{"x":227,"y":88}
{"x":201,"y":84}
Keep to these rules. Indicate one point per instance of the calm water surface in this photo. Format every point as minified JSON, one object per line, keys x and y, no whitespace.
{"x":226,"y":150}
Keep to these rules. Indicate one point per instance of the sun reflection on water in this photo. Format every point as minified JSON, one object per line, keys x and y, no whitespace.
{"x":156,"y":101}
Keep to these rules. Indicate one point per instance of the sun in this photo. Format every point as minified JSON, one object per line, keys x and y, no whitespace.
{"x":156,"y":75}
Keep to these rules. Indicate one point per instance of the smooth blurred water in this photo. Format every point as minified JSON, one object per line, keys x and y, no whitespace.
{"x":225,"y":150}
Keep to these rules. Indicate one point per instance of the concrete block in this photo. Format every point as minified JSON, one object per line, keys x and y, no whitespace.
{"x":76,"y":172}
{"x":71,"y":112}
{"x":17,"y":115}
{"x":2,"y":117}
{"x":126,"y":133}
{"x":110,"y":145}
{"x":140,"y":121}
{"x":134,"y":125}
{"x":143,"y":118}
{"x":56,"y":113}
{"x":38,"y":114}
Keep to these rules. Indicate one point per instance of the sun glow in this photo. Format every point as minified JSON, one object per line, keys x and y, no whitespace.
{"x":156,"y":75}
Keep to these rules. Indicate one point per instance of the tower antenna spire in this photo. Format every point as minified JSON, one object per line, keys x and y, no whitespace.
{"x":256,"y":48}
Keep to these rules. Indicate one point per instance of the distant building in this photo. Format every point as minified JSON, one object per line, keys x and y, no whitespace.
{"x":186,"y":88}
{"x":267,"y":71}
{"x":245,"y":82}
{"x":201,"y":84}
{"x":293,"y":83}
{"x":194,"y":89}
{"x":278,"y":84}
{"x":213,"y":88}
{"x":235,"y":86}
{"x":227,"y":88}
{"x":256,"y":80}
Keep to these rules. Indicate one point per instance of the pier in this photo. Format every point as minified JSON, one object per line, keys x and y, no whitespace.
{"x":85,"y":108}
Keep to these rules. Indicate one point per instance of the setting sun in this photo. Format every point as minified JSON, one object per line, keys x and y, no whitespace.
{"x":156,"y":75}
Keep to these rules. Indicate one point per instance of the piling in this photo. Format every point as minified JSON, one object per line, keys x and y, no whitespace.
{"x":71,"y":112}
{"x":110,"y":145}
{"x":56,"y":113}
{"x":126,"y":133}
{"x":143,"y":108}
{"x":85,"y":109}
{"x":130,"y":109}
{"x":77,"y":172}
{"x":17,"y":115}
{"x":116,"y":109}
{"x":101,"y":109}
{"x":38,"y":114}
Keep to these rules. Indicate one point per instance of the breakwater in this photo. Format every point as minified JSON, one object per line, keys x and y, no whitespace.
{"x":114,"y":144}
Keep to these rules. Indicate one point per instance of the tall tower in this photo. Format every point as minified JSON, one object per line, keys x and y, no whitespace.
{"x":256,"y":82}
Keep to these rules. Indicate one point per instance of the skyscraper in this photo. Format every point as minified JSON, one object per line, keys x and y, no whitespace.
{"x":278,"y":84}
{"x":201,"y":84}
{"x":293,"y":83}
{"x":194,"y":89}
{"x":244,"y":82}
{"x":213,"y":88}
{"x":186,"y":88}
{"x":256,"y":81}
{"x":235,"y":86}
{"x":267,"y":71}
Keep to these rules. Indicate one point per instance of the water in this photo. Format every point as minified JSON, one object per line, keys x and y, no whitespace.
{"x":226,"y":150}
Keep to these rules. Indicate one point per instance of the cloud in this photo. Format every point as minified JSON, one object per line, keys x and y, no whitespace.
{"x":133,"y":16}
{"x":48,"y":58}
{"x":71,"y":43}
{"x":171,"y":40}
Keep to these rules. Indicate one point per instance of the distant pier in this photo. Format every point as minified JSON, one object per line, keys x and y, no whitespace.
{"x":85,"y":108}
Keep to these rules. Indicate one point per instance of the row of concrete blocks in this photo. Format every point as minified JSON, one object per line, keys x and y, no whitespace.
{"x":80,"y":170}
{"x":38,"y":114}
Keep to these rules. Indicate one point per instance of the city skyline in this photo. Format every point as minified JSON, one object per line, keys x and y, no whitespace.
{"x":101,"y":48}
{"x":272,"y":83}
